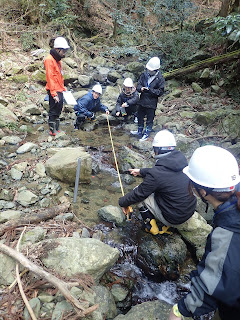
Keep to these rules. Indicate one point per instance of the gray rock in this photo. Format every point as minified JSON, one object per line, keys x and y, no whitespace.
{"x":84,"y":80}
{"x":31,"y":109}
{"x":6,"y":195}
{"x":196,"y":87}
{"x":119,"y":292}
{"x":16,"y":174}
{"x":40,"y":169}
{"x":12,"y":139}
{"x":26,"y":147}
{"x":112,"y":214}
{"x":26,"y":198}
{"x":6,"y":116}
{"x":35,"y":235}
{"x":36,"y":305}
{"x":63,"y":165}
{"x":69,"y":256}
{"x":155,"y":310}
{"x":60,"y":309}
{"x":9,"y":215}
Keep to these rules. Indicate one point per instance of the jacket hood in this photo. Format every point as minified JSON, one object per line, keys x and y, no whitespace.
{"x":173,"y":160}
{"x":227,"y":215}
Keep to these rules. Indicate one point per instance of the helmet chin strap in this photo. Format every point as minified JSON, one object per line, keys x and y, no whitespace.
{"x":196,"y":186}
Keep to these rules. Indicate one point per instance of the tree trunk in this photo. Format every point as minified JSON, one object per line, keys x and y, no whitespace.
{"x":34,"y":218}
{"x":229,"y":6}
{"x":203,"y":64}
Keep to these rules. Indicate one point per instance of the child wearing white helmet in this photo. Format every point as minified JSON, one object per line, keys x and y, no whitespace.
{"x":127,"y":100}
{"x":89,"y":104}
{"x":55,"y":83}
{"x":151,"y":87}
{"x":215,"y":285}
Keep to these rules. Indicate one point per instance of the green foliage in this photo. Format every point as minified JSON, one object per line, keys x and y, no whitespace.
{"x":27,"y":41}
{"x":174,"y":50}
{"x":228,"y":28}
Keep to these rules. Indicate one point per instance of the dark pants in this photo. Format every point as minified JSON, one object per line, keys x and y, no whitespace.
{"x":55,"y":108}
{"x":149,"y":113}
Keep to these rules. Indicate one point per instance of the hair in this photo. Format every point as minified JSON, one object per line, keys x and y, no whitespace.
{"x":51,"y":43}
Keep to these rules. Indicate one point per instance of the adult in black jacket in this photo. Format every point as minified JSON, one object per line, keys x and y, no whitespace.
{"x":151,"y":86}
{"x":164,"y":190}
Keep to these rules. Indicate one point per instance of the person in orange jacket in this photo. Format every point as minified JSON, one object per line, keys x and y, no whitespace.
{"x":55,"y":83}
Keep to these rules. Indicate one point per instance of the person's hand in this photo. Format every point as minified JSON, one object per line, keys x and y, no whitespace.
{"x":135,"y":172}
{"x":124,"y":105}
{"x":125,"y":210}
{"x":144,"y":88}
{"x":107,"y":112}
{"x":118,"y":114}
{"x":56,"y":99}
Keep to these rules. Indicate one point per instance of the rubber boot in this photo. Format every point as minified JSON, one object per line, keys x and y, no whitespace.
{"x":57,"y":122}
{"x":52,"y":128}
{"x":149,"y":222}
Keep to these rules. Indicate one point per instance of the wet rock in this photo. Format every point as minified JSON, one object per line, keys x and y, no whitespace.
{"x":26,"y":147}
{"x":162,"y":256}
{"x":63,"y":165}
{"x":26,"y":198}
{"x":9,"y":215}
{"x":112,"y":214}
{"x":69,"y":256}
{"x":157,"y":310}
{"x":119,"y":292}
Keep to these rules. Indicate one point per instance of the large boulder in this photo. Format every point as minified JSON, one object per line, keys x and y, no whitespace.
{"x":63,"y":165}
{"x":129,"y":158}
{"x":71,"y":256}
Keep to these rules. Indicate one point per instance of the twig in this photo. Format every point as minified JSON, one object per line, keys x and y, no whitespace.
{"x":30,"y":310}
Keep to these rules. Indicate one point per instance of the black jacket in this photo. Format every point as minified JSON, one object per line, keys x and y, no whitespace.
{"x":149,"y":98}
{"x":170,"y":187}
{"x":131,"y":100}
{"x":216,"y":282}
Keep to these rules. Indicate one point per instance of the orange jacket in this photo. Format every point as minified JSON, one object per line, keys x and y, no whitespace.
{"x":54,"y":75}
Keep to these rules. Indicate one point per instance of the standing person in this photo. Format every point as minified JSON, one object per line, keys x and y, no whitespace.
{"x":55,"y":83}
{"x":88,"y":105}
{"x":163,"y":195}
{"x":127,"y":100}
{"x":150,"y":86}
{"x":214,"y":175}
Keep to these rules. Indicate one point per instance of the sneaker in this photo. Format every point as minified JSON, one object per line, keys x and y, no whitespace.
{"x":134,"y":132}
{"x":144,"y":137}
{"x":135,"y":120}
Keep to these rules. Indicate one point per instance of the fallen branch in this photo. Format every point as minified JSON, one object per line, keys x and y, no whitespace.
{"x":34,"y":218}
{"x":28,"y":306}
{"x":58,"y":283}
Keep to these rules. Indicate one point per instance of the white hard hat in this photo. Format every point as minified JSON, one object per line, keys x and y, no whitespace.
{"x":213,"y":167}
{"x":128,"y":82}
{"x":153,"y":64}
{"x":60,"y":43}
{"x":97,"y":88}
{"x":164,"y":138}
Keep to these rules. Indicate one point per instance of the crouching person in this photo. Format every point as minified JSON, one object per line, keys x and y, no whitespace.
{"x":127,"y":100}
{"x":163,"y":195}
{"x":88,"y":105}
{"x":215,"y":285}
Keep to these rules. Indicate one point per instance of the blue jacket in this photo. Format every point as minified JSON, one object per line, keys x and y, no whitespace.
{"x":216,"y":282}
{"x":87,"y":105}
